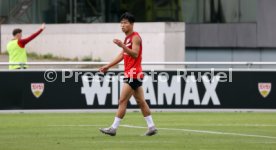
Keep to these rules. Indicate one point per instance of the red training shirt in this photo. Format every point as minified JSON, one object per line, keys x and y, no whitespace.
{"x":133,"y":68}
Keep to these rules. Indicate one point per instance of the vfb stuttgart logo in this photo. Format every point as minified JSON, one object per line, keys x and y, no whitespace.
{"x":264,"y":89}
{"x":37,"y":89}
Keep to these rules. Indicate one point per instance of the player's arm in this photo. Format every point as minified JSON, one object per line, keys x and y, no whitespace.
{"x":25,"y":41}
{"x":115,"y":61}
{"x":134,"y":52}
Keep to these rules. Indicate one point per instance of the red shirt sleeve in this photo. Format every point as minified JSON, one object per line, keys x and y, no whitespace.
{"x":23,"y":42}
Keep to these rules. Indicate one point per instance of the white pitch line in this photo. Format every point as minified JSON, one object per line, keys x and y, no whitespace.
{"x":233,"y":125}
{"x":205,"y":131}
{"x":262,"y":142}
{"x":76,"y":125}
{"x":176,"y":129}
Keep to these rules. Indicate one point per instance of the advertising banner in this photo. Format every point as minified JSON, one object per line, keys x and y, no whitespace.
{"x":177,"y":89}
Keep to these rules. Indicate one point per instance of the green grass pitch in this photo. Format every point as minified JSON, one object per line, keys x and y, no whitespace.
{"x":177,"y":130}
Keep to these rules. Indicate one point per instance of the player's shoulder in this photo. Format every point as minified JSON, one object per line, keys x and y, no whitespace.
{"x":137,"y":36}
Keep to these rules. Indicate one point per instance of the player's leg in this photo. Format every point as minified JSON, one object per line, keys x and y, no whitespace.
{"x":140,"y":98}
{"x":126,"y":93}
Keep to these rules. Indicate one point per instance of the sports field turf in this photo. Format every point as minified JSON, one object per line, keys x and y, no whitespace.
{"x":178,"y":130}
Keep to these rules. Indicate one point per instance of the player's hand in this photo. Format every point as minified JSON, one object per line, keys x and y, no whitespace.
{"x":118,"y":42}
{"x":104,"y":69}
{"x":43,"y":26}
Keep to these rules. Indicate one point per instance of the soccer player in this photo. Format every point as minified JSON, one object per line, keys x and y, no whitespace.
{"x":132,"y":56}
{"x":16,"y":48}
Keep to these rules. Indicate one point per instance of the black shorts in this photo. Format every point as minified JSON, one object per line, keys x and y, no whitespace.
{"x":134,"y":83}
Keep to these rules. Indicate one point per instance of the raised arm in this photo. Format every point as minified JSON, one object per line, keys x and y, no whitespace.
{"x":23,"y":42}
{"x":115,"y":61}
